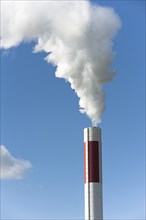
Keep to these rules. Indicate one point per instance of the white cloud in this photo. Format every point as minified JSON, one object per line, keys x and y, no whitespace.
{"x":12,"y":168}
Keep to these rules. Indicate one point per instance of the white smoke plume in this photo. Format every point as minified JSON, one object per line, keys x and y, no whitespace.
{"x":77,"y":38}
{"x":10,"y":167}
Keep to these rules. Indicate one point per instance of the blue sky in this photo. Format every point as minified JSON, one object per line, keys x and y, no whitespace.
{"x":41,"y":123}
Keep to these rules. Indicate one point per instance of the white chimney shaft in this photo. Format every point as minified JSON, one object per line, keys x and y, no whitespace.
{"x":93,"y":174}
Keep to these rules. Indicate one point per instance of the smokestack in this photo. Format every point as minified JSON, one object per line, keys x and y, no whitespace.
{"x":93,"y":174}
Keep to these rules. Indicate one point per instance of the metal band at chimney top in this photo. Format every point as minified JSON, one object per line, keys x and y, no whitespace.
{"x":93,"y":174}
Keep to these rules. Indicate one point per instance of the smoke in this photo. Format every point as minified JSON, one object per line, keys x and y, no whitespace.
{"x":77,"y":38}
{"x":10,"y":167}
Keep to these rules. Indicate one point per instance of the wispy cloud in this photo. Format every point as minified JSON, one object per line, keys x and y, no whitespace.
{"x":11,"y":167}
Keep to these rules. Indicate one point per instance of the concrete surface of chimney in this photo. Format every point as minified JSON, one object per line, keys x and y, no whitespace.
{"x":93,"y":174}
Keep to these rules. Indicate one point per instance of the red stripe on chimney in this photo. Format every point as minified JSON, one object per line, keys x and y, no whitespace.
{"x":84,"y":162}
{"x":93,"y":157}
